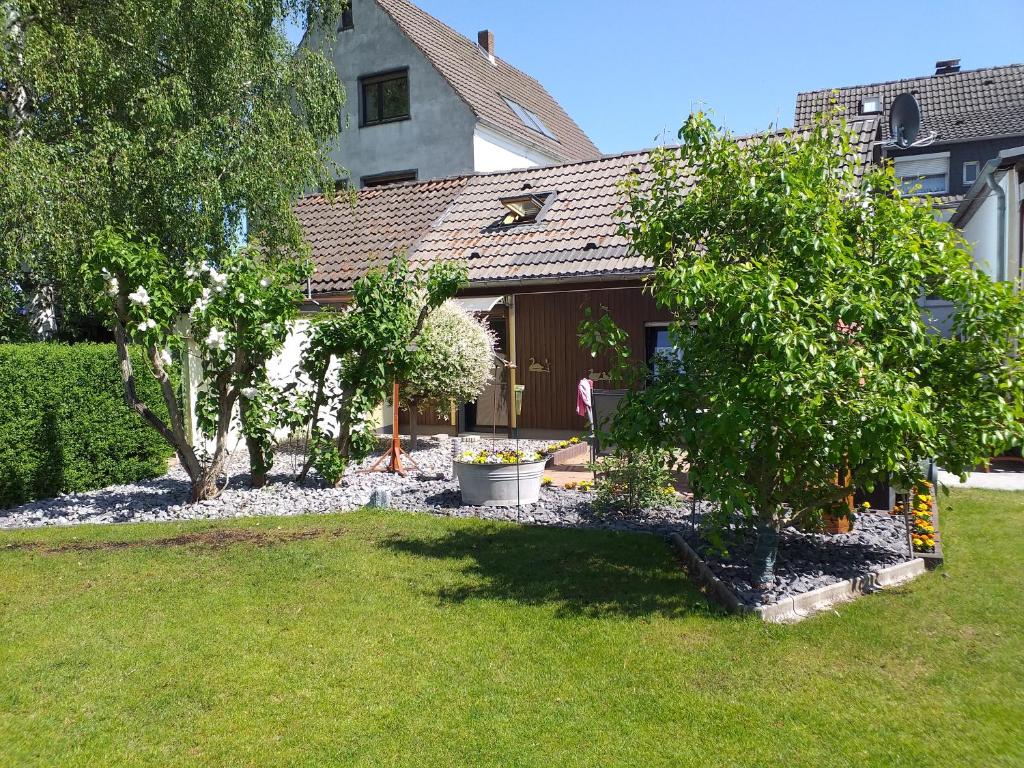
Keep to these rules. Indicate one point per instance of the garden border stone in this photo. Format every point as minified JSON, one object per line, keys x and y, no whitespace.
{"x":802,"y":606}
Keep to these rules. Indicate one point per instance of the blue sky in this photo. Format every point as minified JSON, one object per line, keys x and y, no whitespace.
{"x":629,"y":72}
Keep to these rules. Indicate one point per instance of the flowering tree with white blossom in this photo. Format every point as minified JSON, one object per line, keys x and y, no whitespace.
{"x":237,"y":313}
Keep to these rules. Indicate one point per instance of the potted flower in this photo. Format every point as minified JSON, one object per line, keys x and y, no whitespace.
{"x":500,"y":478}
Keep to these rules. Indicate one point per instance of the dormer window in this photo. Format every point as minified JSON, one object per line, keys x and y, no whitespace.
{"x":524,"y":209}
{"x":872,"y":105}
{"x":347,"y":22}
{"x":530,"y":120}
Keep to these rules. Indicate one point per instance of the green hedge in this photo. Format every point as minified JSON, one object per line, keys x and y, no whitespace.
{"x":64,"y":425}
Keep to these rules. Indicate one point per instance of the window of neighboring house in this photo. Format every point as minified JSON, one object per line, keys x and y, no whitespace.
{"x":970,"y":172}
{"x":346,"y":18}
{"x":530,"y":120}
{"x":923,"y":174}
{"x":385,"y":97}
{"x":397,"y":177}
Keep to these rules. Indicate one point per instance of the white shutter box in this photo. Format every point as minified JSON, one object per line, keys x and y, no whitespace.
{"x":914,"y":167}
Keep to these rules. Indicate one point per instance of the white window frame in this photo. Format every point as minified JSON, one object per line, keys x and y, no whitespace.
{"x":929,"y":156}
{"x":977,"y":171}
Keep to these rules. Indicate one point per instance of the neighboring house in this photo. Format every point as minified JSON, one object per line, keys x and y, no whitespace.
{"x":992,"y":217}
{"x":425,"y":102}
{"x":541,"y":245}
{"x":973,"y":115}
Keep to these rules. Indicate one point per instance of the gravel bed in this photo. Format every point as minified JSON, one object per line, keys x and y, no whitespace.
{"x":428,"y":488}
{"x":806,"y":561}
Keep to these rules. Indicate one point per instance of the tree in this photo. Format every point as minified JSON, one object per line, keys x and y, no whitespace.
{"x":231,"y":318}
{"x":452,"y":363}
{"x":793,"y":287}
{"x":191,"y":123}
{"x":355,"y":355}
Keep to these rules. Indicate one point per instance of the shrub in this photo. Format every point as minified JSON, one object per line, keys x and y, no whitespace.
{"x":64,"y":425}
{"x":632,"y":480}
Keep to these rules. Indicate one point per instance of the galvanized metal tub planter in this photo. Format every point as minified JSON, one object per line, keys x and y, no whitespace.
{"x":500,"y":485}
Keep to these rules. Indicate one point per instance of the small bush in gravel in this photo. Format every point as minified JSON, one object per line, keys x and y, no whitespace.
{"x":630,"y":480}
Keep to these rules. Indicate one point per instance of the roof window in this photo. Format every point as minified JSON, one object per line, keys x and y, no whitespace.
{"x":871,"y":105}
{"x":523,"y":209}
{"x":530,"y":120}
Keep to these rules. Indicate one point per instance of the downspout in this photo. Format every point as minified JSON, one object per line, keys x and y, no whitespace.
{"x":1001,"y":241}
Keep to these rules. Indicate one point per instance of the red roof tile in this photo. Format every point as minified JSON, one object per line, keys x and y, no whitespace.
{"x":459,"y":219}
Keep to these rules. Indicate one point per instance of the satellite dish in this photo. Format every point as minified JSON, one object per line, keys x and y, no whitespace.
{"x":904,"y":120}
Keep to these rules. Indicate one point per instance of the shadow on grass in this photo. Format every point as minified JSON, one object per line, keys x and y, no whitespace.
{"x":577,"y":572}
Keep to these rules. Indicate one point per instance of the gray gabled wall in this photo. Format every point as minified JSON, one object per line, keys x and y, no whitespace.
{"x":436,"y":141}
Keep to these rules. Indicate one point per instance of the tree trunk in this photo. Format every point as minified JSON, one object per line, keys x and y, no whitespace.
{"x":414,"y":432}
{"x":203,"y":478}
{"x":766,"y":550}
{"x":258,"y":464}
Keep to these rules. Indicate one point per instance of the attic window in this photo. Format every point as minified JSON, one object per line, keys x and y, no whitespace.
{"x":523,"y":209}
{"x":347,"y":22}
{"x":530,"y":120}
{"x":872,"y":105}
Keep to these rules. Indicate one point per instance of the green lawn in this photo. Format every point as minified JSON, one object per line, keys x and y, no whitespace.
{"x":393,"y":639}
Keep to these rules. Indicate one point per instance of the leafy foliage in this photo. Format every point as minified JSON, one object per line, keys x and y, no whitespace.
{"x":794,"y":290}
{"x":452,"y":363}
{"x":65,"y":428}
{"x":186,"y":122}
{"x":631,"y":480}
{"x":230,"y":317}
{"x":355,"y":355}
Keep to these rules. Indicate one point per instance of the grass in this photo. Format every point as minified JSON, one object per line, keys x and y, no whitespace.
{"x":377,"y":639}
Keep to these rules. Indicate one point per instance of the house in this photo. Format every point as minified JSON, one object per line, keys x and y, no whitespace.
{"x":970,"y":115}
{"x":991,"y":216}
{"x":541,"y":246}
{"x":425,"y":102}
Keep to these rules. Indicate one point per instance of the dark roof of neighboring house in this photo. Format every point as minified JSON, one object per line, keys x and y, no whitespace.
{"x":962,"y":105}
{"x":482,"y":85}
{"x":457,"y":219}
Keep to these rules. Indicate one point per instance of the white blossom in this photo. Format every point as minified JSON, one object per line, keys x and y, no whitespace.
{"x":264,"y":283}
{"x":113,"y":286}
{"x":165,"y":356}
{"x":249,"y":393}
{"x":216,"y":339}
{"x":241,"y":298}
{"x":143,"y":327}
{"x":140,"y":296}
{"x":151,"y":323}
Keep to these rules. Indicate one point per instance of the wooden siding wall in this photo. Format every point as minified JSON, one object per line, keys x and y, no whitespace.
{"x":547,"y":330}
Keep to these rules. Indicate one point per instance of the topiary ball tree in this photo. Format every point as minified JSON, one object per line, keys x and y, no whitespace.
{"x":452,"y":363}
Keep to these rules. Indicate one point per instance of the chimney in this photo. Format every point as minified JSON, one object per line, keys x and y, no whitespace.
{"x":947,"y":67}
{"x":485,"y":39}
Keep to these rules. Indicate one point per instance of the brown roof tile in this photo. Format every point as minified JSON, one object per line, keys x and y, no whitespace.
{"x":962,"y":105}
{"x":458,"y":220}
{"x":482,"y":85}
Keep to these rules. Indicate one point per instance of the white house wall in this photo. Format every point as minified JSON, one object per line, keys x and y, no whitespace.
{"x":493,"y":152}
{"x":982,"y":231}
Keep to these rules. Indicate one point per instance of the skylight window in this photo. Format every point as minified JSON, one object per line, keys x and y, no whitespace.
{"x":523,"y":209}
{"x":872,"y":105}
{"x":530,"y":120}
